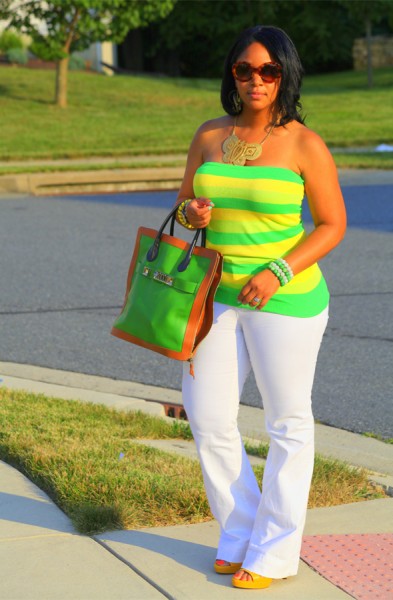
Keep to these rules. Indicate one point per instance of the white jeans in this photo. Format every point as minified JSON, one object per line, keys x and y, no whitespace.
{"x":263,"y":531}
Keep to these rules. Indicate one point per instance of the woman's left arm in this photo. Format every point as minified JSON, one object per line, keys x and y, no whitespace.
{"x":325,"y":201}
{"x":328,"y":212}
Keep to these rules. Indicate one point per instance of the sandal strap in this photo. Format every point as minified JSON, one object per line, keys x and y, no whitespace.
{"x":252,"y":575}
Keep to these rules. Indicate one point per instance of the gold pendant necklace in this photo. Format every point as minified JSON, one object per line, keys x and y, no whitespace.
{"x":236,"y":151}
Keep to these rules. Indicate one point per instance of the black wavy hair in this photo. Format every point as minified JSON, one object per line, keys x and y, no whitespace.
{"x":283,"y":51}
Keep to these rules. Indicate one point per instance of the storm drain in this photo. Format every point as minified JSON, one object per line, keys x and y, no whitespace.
{"x":176,"y":411}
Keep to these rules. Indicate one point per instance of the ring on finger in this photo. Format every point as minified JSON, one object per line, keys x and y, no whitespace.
{"x":256,"y":299}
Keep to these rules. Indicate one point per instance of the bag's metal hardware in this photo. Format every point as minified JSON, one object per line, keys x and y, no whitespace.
{"x":146,"y":271}
{"x":163,"y":277}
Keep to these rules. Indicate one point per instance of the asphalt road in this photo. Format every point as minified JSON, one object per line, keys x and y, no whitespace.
{"x":64,"y":262}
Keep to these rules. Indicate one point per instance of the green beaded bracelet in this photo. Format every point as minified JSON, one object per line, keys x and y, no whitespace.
{"x":281,"y":270}
{"x":285,"y":267}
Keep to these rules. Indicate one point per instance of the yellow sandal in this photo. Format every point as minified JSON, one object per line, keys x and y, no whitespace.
{"x":226,"y":568}
{"x":258,"y":582}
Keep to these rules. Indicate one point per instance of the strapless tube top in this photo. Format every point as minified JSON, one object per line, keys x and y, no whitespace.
{"x":257,"y":218}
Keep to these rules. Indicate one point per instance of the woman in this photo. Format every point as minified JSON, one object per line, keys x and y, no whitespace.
{"x":245,"y":179}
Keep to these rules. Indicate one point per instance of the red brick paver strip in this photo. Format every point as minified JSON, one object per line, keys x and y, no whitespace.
{"x":360,"y":564}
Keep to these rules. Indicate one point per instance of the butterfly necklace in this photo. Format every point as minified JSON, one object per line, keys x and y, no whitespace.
{"x":236,"y":151}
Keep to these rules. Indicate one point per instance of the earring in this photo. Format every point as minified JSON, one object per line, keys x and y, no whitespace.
{"x":236,"y":101}
{"x":279,"y":116}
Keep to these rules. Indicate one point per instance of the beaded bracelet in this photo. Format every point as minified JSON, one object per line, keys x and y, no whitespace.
{"x":285,"y":267}
{"x":181,"y":215}
{"x":281,"y":269}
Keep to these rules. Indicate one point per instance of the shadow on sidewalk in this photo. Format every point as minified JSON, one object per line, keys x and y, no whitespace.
{"x":31,"y":512}
{"x":170,"y":552}
{"x":198,"y":557}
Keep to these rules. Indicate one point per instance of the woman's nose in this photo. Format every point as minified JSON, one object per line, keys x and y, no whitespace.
{"x":256,"y":79}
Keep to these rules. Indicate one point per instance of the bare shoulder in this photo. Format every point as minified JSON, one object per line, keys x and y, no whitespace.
{"x":208,"y":137}
{"x":307,"y":139}
{"x":214,"y":126}
{"x":312,"y":153}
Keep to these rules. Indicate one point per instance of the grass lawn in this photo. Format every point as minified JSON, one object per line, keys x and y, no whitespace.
{"x":363,"y":160}
{"x":143,"y":115}
{"x":85,"y":457}
{"x":345,"y":112}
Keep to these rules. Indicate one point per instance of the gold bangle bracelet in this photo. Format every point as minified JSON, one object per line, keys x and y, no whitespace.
{"x":181,"y":216}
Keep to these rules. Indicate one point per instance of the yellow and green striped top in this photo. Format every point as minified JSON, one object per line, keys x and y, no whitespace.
{"x":256,"y":219}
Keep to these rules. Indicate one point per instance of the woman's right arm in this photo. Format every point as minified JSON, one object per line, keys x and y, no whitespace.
{"x":198,"y":210}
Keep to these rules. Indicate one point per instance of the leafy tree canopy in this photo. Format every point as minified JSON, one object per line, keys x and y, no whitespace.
{"x":200,"y":32}
{"x":60,"y":27}
{"x":373,"y":10}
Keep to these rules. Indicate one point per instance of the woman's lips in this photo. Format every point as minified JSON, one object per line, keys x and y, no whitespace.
{"x":256,"y":95}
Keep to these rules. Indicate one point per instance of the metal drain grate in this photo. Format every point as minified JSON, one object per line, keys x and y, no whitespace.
{"x":359,"y":564}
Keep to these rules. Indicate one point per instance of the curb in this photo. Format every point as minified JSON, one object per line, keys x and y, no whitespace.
{"x":139,"y":179}
{"x":105,"y":180}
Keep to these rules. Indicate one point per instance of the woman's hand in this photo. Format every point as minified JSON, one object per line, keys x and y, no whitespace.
{"x":199,"y":212}
{"x":259,"y":289}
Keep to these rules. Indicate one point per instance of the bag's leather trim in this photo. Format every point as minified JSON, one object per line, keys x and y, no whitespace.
{"x":201,"y":316}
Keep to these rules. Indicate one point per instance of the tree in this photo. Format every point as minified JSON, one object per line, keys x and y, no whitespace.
{"x":369,"y":12}
{"x":60,"y":27}
{"x":199,"y":33}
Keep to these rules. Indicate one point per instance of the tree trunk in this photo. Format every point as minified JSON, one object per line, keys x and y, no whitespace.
{"x":369,"y":53}
{"x":61,"y":82}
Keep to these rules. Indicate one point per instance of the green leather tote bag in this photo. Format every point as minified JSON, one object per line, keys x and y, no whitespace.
{"x":168,"y":304}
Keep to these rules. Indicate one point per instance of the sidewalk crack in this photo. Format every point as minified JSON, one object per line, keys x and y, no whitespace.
{"x":340,"y":333}
{"x":133,"y":568}
{"x":30,"y":311}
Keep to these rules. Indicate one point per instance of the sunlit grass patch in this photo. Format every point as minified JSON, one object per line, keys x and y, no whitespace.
{"x":334,"y":481}
{"x":86,"y":458}
{"x":364,"y":160}
{"x":114,"y":116}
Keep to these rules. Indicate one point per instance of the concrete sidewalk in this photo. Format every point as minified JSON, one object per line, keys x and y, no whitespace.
{"x":43,"y":557}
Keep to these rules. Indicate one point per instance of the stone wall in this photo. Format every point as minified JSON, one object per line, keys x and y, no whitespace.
{"x":381,"y":49}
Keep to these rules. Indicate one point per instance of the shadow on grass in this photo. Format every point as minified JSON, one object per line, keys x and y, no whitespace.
{"x":91,"y":519}
{"x":5,"y":92}
{"x":48,"y":511}
{"x":31,"y":100}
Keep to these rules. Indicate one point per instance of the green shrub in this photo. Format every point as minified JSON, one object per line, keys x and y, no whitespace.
{"x":17,"y":55}
{"x":10,"y":40}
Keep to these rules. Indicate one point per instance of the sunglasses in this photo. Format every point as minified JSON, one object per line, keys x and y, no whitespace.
{"x":268,"y":72}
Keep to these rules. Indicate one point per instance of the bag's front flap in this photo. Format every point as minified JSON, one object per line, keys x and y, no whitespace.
{"x":163,"y":306}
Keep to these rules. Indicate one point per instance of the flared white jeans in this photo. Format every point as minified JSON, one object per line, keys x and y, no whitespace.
{"x":261,"y":530}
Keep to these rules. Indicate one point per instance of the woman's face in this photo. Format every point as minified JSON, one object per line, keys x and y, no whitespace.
{"x":257,"y":94}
